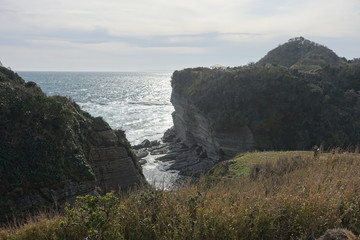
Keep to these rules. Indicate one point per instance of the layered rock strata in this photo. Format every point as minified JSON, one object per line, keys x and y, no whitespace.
{"x":194,"y":128}
{"x":51,"y":151}
{"x":194,"y":145}
{"x":189,"y":161}
{"x":115,"y":166}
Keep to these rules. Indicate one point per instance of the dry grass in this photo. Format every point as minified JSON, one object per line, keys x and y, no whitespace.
{"x":291,"y":198}
{"x":44,"y":225}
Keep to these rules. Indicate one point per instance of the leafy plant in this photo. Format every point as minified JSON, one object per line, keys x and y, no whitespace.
{"x":93,"y":216}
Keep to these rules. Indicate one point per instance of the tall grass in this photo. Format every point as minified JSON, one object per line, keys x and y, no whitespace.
{"x":291,"y":198}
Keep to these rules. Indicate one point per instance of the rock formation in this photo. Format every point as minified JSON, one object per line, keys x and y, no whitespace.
{"x":198,"y":145}
{"x":193,"y":127}
{"x":288,"y":100}
{"x":51,"y":151}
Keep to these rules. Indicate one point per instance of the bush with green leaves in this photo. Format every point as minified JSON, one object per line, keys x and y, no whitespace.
{"x":93,"y":217}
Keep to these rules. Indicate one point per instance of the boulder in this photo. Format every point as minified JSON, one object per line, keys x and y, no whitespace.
{"x":141,"y":153}
{"x":142,"y":161}
{"x":154,"y":143}
{"x":144,"y":144}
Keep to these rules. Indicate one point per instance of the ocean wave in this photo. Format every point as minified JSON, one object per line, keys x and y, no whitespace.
{"x":135,"y":102}
{"x":150,"y":103}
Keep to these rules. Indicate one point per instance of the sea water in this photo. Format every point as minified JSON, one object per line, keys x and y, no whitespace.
{"x":136,"y":102}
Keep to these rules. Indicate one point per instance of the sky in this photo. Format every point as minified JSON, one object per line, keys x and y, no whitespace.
{"x":166,"y":35}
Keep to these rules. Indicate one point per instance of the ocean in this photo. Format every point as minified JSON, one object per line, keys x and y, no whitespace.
{"x":136,"y":102}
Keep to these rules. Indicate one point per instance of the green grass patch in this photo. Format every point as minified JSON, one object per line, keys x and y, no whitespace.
{"x":241,"y":165}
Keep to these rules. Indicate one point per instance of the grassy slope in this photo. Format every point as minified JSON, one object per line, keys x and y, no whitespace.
{"x":242,"y":164}
{"x":292,"y":196}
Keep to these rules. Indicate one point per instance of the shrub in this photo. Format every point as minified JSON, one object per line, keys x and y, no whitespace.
{"x":93,"y":216}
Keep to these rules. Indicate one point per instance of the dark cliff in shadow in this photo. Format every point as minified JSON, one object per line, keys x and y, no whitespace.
{"x":51,"y":151}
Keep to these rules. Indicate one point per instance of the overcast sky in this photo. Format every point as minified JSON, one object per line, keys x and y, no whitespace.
{"x":166,"y":35}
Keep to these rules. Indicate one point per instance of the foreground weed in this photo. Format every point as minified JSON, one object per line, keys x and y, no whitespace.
{"x":93,"y":216}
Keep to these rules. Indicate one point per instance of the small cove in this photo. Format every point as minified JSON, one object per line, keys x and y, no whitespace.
{"x":138,"y":103}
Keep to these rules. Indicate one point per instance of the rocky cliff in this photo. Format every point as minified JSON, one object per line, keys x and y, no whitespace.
{"x":51,"y":151}
{"x":300,"y":94}
{"x":199,"y":143}
{"x":194,"y":127}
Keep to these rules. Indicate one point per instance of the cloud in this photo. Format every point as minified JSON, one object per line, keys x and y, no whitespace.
{"x":328,"y":18}
{"x":159,"y":17}
{"x":203,"y":30}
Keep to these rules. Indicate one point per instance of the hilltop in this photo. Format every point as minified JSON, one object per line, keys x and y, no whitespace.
{"x":302,"y":54}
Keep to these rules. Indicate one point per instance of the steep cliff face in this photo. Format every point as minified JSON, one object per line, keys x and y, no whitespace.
{"x":115,"y":166}
{"x":194,"y":127}
{"x":51,"y":151}
{"x":299,"y":95}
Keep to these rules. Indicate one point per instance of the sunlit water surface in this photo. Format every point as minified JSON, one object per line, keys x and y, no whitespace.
{"x":138,"y":103}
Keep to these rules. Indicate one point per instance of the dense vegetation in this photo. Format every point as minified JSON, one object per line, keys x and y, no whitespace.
{"x":285,"y":108}
{"x":285,"y":195}
{"x":39,"y":141}
{"x":302,"y":54}
{"x":45,"y":144}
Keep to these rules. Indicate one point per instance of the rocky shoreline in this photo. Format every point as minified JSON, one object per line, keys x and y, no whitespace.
{"x":189,"y":161}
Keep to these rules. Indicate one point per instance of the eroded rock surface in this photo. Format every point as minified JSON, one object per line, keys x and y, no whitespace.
{"x":194,"y":128}
{"x":51,"y":151}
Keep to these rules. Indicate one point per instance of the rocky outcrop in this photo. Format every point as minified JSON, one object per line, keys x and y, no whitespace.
{"x":189,"y":161}
{"x":196,"y":145}
{"x":146,"y":144}
{"x":147,"y":147}
{"x":287,"y":101}
{"x":196,"y":130}
{"x":115,"y":166}
{"x":51,"y":151}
